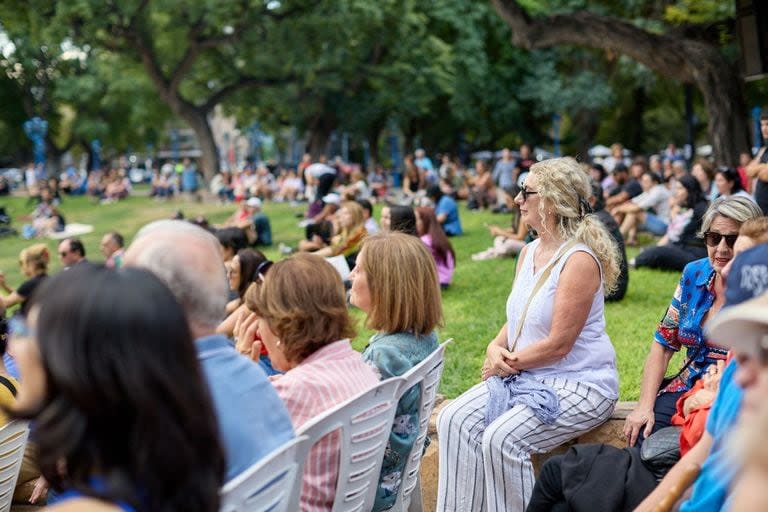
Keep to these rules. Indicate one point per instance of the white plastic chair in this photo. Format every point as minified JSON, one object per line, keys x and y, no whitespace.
{"x":364,"y":423}
{"x":270,"y":484}
{"x":426,"y":374}
{"x":13,"y":439}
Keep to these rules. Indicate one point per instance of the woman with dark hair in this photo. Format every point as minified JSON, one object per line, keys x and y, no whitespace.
{"x":681,"y":244}
{"x":413,"y":181}
{"x":103,"y":357}
{"x":433,"y":236}
{"x":399,"y":218}
{"x":231,"y":241}
{"x":728,"y":183}
{"x":241,"y":271}
{"x":704,"y":172}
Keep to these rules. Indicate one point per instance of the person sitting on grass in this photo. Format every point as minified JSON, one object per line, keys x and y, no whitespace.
{"x":647,"y":212}
{"x":118,"y":186}
{"x":728,"y":183}
{"x":446,"y":210}
{"x":34,"y":265}
{"x":399,"y":218}
{"x":370,"y":223}
{"x":252,"y":221}
{"x":681,"y":244}
{"x":46,"y":218}
{"x":395,"y":283}
{"x":507,"y":241}
{"x":162,"y":188}
{"x":431,"y":233}
{"x":349,"y":228}
{"x":231,"y":240}
{"x":112,"y":249}
{"x":597,"y":202}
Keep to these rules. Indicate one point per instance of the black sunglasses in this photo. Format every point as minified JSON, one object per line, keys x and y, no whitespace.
{"x":527,"y":193}
{"x":262,"y":269}
{"x":713,"y":239}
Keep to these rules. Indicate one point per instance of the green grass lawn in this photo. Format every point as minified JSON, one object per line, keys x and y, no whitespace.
{"x":474,"y":305}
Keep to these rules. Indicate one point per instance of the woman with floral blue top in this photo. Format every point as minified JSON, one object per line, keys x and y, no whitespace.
{"x":395,"y":283}
{"x":698,"y":297}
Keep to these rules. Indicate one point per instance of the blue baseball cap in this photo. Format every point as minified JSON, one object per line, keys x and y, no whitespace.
{"x":748,"y":276}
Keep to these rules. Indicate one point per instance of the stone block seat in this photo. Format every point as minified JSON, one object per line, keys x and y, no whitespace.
{"x":611,"y":432}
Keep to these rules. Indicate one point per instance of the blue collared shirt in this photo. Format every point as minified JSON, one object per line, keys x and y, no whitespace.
{"x":682,"y":325}
{"x":252,"y":419}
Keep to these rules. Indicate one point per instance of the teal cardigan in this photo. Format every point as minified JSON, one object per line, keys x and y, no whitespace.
{"x":393,"y":355}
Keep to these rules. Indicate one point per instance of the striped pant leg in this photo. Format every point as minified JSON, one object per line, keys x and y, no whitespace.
{"x":460,"y":427}
{"x":509,"y":441}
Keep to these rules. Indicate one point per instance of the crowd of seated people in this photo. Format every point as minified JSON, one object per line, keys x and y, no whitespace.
{"x":550,"y":372}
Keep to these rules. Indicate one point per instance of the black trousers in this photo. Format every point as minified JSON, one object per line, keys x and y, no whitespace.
{"x":669,"y":257}
{"x":548,"y":491}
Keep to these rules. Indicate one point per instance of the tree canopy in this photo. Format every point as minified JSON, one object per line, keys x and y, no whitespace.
{"x":441,"y":73}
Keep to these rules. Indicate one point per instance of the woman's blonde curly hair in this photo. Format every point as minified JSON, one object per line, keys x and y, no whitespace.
{"x":564,"y":189}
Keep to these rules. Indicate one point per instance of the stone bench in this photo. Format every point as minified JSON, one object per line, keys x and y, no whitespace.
{"x":611,"y":432}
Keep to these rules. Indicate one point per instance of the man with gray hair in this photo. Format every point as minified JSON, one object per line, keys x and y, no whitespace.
{"x":252,"y":419}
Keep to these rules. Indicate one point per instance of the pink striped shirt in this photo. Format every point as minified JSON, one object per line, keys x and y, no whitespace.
{"x":330,"y":376}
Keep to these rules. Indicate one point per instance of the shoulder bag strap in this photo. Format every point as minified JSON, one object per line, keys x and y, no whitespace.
{"x":7,"y":383}
{"x":542,"y":279}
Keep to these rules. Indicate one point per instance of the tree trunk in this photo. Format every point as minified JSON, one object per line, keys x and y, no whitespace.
{"x":374,"y":132}
{"x":636,"y":124}
{"x":675,"y":56}
{"x":319,"y":133}
{"x":198,"y":121}
{"x":317,"y":143}
{"x":586,"y":124}
{"x":727,"y":126}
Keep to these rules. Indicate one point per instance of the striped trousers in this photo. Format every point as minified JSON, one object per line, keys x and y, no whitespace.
{"x":489,"y":469}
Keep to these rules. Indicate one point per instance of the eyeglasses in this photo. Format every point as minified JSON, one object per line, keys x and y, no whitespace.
{"x":262,"y":269}
{"x":713,"y":239}
{"x":527,"y":193}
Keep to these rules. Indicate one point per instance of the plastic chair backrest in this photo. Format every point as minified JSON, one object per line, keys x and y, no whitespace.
{"x":427,"y":375}
{"x":13,"y":440}
{"x":364,"y":423}
{"x":270,"y":484}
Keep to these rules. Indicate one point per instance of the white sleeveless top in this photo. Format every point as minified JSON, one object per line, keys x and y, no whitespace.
{"x":592,"y":360}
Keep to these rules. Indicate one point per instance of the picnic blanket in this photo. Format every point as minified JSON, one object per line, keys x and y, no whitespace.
{"x":72,"y":229}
